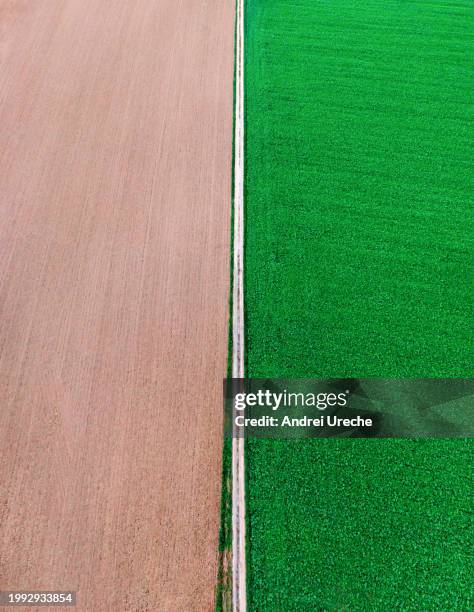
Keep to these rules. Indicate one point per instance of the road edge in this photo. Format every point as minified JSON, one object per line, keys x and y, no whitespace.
{"x":239,"y":579}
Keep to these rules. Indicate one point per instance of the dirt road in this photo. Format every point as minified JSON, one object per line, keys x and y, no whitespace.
{"x":115,"y":166}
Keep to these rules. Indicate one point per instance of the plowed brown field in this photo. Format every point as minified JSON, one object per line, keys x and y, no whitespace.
{"x":115,"y":166}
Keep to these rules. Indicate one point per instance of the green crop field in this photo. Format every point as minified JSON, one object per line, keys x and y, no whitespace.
{"x":359,"y":262}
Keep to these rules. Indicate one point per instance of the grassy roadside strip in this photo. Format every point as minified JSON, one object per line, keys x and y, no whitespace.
{"x":224,"y":576}
{"x":224,"y":571}
{"x":248,"y":21}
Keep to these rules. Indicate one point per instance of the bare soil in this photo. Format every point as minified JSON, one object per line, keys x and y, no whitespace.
{"x":115,"y":178}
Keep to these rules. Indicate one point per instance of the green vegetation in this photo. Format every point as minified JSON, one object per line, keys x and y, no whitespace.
{"x":224,"y":574}
{"x":359,"y":262}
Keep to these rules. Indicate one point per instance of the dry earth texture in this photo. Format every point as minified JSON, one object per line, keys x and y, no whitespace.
{"x":115,"y":162}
